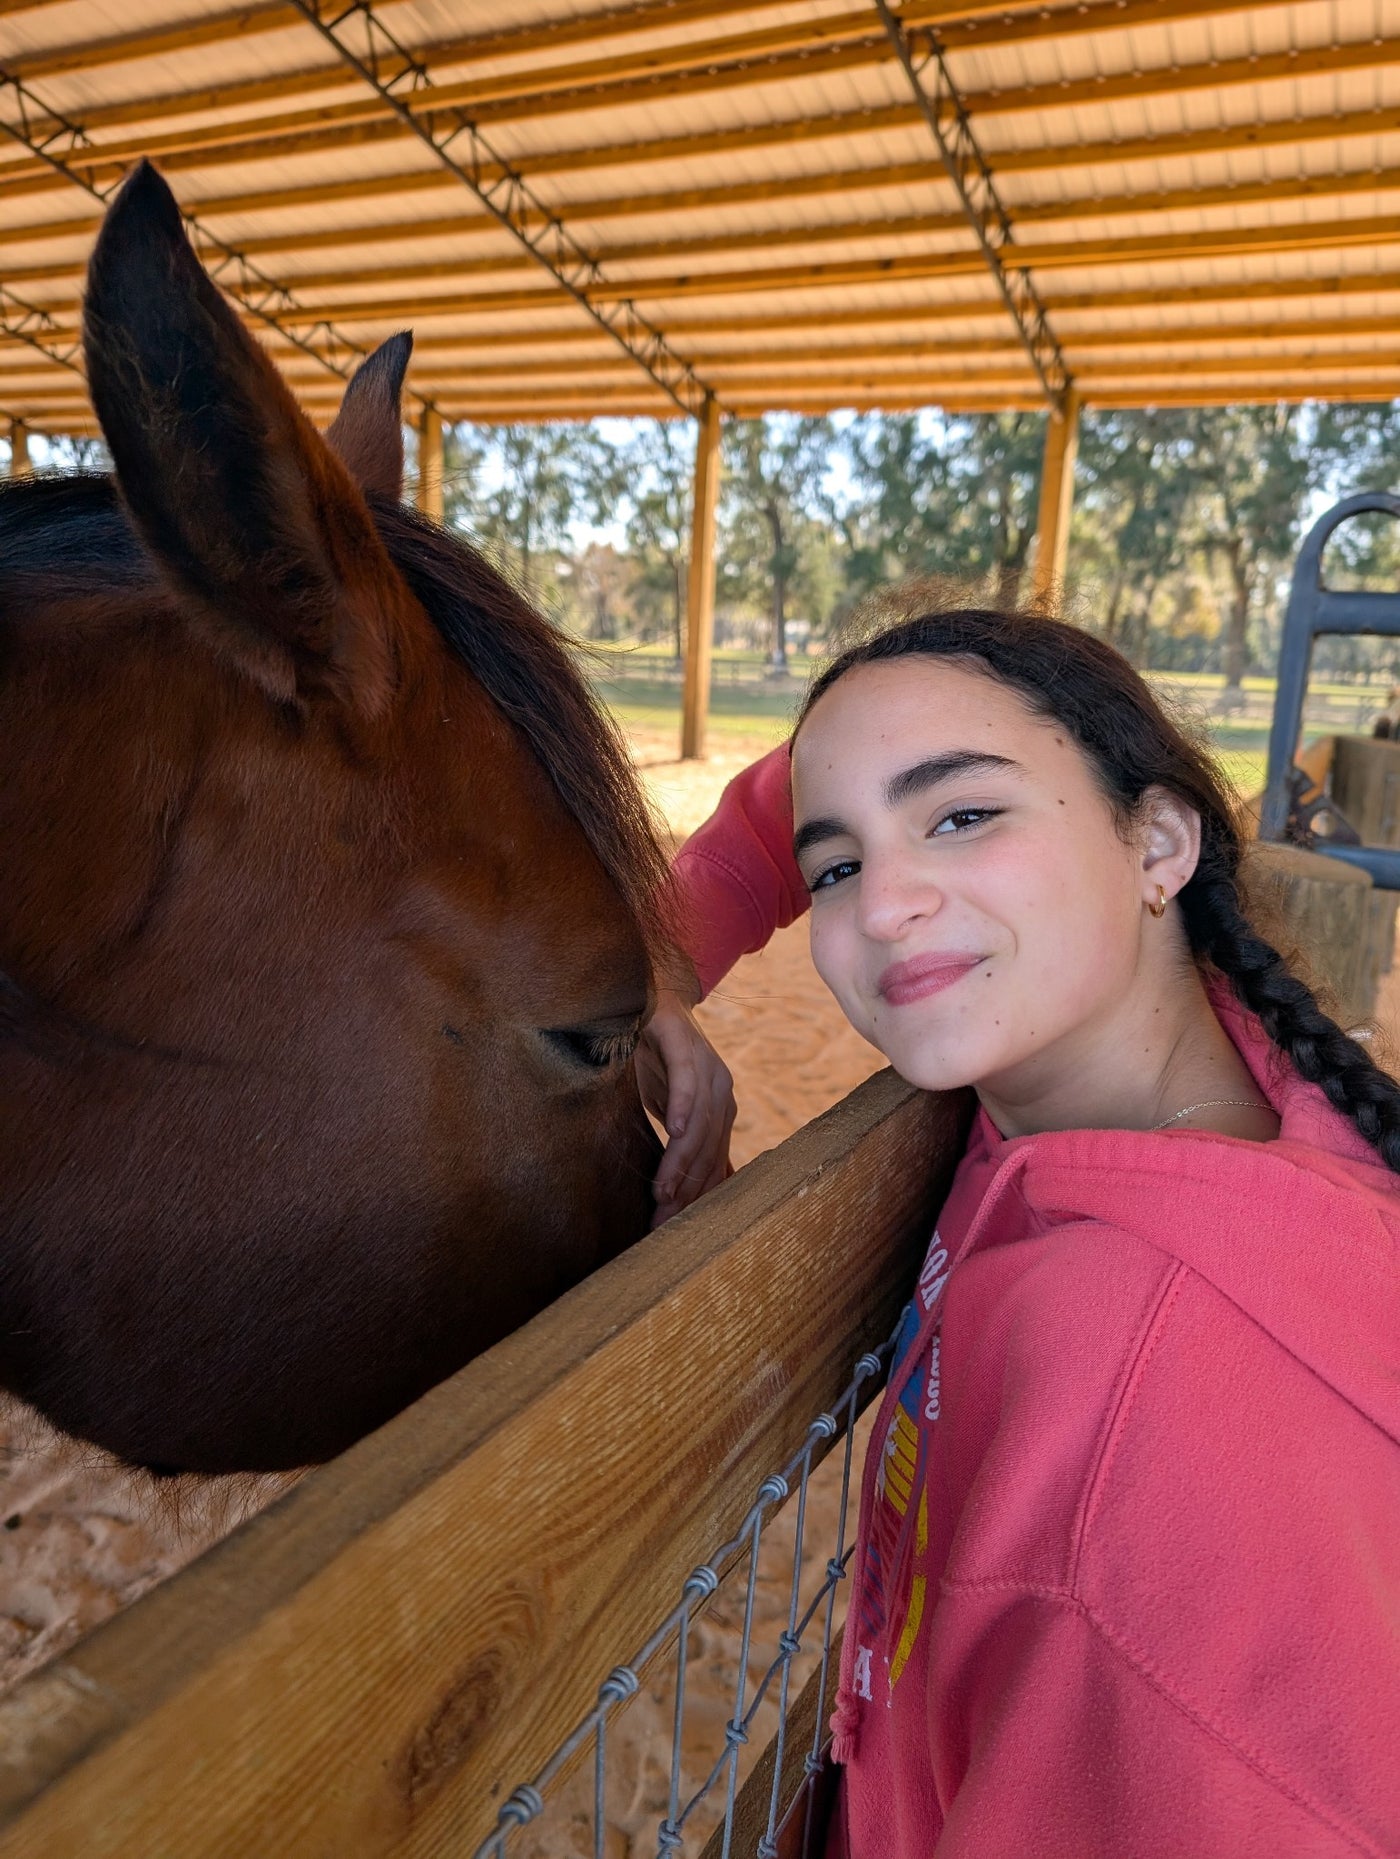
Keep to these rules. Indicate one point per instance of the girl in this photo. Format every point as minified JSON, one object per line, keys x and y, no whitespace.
{"x":1128,"y":1574}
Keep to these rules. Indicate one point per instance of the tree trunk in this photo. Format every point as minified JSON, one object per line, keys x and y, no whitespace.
{"x":778,"y":661}
{"x":1236,"y":631}
{"x":678,"y":605}
{"x":1008,"y":584}
{"x":1115,"y":602}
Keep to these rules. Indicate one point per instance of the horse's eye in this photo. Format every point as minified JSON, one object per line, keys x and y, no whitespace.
{"x":592,"y":1047}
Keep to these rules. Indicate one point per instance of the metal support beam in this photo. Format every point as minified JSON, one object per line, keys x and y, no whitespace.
{"x":1056,"y":499}
{"x":20,"y":466}
{"x":68,"y":149}
{"x":366,"y":44}
{"x":32,"y":324}
{"x":429,"y":498}
{"x":951,"y":128}
{"x":700,"y":584}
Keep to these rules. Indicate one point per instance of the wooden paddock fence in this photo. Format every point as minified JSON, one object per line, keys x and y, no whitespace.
{"x":370,"y":1666}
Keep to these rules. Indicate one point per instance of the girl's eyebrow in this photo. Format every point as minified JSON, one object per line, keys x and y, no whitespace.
{"x":935,"y":768}
{"x":813,"y":832}
{"x":904,"y":786}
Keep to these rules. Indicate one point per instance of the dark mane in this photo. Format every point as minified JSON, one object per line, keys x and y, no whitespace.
{"x":68,"y":539}
{"x":528,"y":670}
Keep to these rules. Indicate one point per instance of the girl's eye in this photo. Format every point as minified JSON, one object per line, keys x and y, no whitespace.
{"x":834,"y":874}
{"x":963,"y":820}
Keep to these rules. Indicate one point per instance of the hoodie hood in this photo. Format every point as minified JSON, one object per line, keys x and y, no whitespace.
{"x":1302,"y":1233}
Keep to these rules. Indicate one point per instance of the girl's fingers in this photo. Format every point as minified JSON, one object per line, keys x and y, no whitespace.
{"x":686,"y":1084}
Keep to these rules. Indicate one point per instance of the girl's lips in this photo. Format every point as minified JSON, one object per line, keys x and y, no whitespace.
{"x":915,"y":980}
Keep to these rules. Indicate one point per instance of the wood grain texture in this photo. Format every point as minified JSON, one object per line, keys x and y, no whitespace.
{"x":1366,"y":786}
{"x":373,"y":1664}
{"x":1325,"y":909}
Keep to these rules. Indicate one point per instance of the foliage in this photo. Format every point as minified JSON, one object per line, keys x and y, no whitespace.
{"x":773,"y":502}
{"x":1186,"y":521}
{"x":952,"y":497}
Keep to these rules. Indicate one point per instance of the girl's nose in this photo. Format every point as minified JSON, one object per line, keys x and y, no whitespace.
{"x":892,"y":898}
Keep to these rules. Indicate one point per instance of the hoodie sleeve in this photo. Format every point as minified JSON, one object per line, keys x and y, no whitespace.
{"x":736,"y":879}
{"x":1069,"y":1748}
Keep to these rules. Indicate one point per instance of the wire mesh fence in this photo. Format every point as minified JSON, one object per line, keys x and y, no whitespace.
{"x":655,"y":1767}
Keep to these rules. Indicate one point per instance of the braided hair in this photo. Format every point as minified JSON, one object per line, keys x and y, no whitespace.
{"x":1072,"y":678}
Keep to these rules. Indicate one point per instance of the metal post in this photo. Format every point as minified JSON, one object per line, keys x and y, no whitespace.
{"x":1056,"y":499}
{"x":700,"y":584}
{"x":430,"y":463}
{"x":20,"y":466}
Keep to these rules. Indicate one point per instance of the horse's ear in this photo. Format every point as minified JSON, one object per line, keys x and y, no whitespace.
{"x":240,"y":500}
{"x":368,"y":430}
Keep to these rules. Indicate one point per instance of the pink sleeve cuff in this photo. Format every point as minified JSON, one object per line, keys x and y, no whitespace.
{"x":736,"y":879}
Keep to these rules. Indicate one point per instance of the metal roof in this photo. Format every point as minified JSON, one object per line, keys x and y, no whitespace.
{"x":727,"y":196}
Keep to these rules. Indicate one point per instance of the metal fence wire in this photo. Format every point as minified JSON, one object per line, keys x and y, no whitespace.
{"x":709,"y":1807}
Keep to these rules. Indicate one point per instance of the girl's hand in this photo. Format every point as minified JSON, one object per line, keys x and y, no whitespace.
{"x":688,"y":1087}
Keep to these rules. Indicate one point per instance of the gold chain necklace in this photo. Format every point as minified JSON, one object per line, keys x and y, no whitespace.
{"x":1211,"y":1103}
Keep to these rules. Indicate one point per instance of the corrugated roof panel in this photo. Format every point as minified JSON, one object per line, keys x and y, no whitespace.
{"x":733,"y":204}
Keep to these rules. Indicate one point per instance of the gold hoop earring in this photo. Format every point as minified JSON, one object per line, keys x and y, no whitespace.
{"x":1159,"y":909}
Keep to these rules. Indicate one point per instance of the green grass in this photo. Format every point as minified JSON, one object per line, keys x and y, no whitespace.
{"x":738,"y":711}
{"x":735,"y":709}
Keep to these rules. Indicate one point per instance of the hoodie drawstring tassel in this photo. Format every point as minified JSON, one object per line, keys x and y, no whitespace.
{"x":845,"y":1726}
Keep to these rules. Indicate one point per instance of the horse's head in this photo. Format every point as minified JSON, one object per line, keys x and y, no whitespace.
{"x":324,"y":932}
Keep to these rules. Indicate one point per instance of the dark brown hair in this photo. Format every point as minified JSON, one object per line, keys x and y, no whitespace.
{"x":1067,"y":675}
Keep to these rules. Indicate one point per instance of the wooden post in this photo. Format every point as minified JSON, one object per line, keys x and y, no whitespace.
{"x":430,"y":463}
{"x":20,"y":466}
{"x":700,"y":585}
{"x":1056,"y":499}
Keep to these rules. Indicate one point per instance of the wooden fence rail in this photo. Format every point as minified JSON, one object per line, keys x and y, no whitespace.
{"x":372,"y":1664}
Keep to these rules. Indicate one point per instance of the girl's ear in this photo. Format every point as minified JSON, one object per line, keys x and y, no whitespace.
{"x":1170,"y":836}
{"x":248,"y":511}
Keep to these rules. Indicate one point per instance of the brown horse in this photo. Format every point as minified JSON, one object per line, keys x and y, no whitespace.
{"x":325,"y":920}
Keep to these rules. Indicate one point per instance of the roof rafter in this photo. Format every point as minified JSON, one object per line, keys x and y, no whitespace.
{"x":64,"y":144}
{"x":458,"y":144}
{"x":37,"y":328}
{"x":382,"y":310}
{"x":1198,"y":244}
{"x":964,"y":24}
{"x":751,"y":58}
{"x":281,"y":138}
{"x":626,"y":206}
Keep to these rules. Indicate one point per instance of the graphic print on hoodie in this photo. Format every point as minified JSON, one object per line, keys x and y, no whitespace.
{"x":893,"y":1596}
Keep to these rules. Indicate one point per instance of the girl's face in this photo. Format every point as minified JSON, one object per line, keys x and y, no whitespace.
{"x":975,"y":909}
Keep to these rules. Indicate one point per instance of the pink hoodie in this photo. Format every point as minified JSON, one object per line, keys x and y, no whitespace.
{"x":1128,"y":1576}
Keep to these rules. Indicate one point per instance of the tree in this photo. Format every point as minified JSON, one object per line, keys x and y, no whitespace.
{"x":602,"y":582}
{"x":520,"y":490}
{"x":1134,"y":489}
{"x":774,"y":493}
{"x":658,"y":465}
{"x":1254,"y":472}
{"x":952,"y":496}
